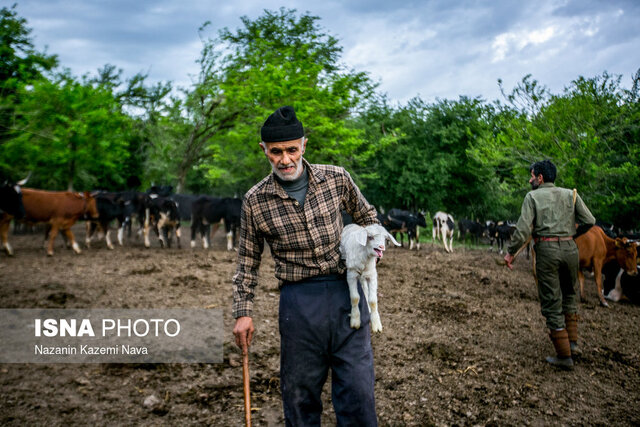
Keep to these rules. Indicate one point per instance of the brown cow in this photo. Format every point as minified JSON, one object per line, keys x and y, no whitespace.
{"x":596,"y":249}
{"x":59,"y":210}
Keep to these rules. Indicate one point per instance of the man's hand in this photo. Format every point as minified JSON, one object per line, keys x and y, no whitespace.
{"x":508,"y":258}
{"x":243,"y":331}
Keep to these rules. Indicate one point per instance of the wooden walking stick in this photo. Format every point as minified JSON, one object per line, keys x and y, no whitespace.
{"x":246,"y":386}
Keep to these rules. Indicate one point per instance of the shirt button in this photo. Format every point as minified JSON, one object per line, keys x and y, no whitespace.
{"x":316,"y":251}
{"x":296,"y":203}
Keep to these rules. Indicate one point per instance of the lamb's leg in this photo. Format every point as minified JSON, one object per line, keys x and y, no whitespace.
{"x":372,"y":297}
{"x":352,"y":280}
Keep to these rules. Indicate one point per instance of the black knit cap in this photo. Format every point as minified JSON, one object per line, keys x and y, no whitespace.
{"x":282,"y":125}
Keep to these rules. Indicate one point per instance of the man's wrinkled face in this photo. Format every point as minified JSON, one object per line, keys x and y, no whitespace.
{"x":286,"y":157}
{"x":535,"y":181}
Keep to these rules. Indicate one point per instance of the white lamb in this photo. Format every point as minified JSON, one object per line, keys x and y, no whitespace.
{"x":361,"y":247}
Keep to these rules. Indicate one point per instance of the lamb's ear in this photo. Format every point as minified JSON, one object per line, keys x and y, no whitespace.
{"x":361,"y":236}
{"x":394,"y":241}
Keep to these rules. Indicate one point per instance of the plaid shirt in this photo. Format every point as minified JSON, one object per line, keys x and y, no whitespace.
{"x":304,"y":240}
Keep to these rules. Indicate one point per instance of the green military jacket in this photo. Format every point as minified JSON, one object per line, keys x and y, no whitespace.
{"x":551,"y":211}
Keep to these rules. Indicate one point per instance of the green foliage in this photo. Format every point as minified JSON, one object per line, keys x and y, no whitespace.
{"x":590,"y":132}
{"x":282,"y":59}
{"x":69,"y":134}
{"x":20,"y":64}
{"x":427,"y":167}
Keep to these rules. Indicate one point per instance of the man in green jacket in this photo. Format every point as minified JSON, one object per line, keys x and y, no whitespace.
{"x":550,"y":214}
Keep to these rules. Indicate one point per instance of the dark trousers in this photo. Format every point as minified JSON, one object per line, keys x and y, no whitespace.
{"x":315,"y":337}
{"x":557,"y":271}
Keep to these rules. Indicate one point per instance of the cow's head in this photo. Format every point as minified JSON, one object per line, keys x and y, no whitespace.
{"x":626,"y":254}
{"x":11,"y":198}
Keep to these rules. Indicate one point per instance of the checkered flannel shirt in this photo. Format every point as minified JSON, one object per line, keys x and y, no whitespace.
{"x":304,"y":240}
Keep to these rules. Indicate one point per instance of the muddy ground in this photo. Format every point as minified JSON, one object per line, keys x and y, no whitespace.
{"x":463,"y":343}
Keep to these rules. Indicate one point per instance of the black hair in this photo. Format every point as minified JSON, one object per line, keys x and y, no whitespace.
{"x":545,"y":168}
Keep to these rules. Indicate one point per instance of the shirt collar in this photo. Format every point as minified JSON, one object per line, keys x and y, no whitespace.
{"x":547,"y":185}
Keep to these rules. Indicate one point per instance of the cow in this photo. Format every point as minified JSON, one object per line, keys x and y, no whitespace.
{"x":607,"y":228}
{"x":625,"y":286}
{"x":11,"y":206}
{"x":503,"y":232}
{"x":160,"y":190}
{"x":184,"y":202}
{"x":212,"y":210}
{"x":443,"y":227}
{"x":401,"y":221}
{"x":59,"y":210}
{"x":474,"y":228}
{"x":111,"y":206}
{"x":161,"y":215}
{"x":596,"y":249}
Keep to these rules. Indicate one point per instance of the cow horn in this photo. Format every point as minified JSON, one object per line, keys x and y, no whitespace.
{"x":24,"y":181}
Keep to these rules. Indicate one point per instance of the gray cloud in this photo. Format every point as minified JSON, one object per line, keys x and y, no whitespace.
{"x":432,"y":48}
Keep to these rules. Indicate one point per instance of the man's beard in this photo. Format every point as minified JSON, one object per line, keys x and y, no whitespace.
{"x":535,"y":185}
{"x":289,"y":177}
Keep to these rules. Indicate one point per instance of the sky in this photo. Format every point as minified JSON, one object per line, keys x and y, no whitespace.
{"x":432,"y":49}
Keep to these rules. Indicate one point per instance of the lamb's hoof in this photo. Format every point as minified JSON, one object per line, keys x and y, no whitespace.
{"x":355,"y":322}
{"x":376,"y":327}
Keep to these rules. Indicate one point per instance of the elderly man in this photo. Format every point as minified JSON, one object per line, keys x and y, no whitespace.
{"x":552,"y":213}
{"x":296,"y":209}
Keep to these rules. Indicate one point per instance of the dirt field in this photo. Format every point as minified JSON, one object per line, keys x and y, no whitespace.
{"x":463,"y":343}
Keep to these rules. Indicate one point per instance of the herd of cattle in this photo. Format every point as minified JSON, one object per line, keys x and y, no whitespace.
{"x":159,"y":210}
{"x":600,"y":249}
{"x":156,"y":209}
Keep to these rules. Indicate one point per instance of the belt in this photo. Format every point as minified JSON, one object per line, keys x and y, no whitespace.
{"x":552,"y":239}
{"x":332,"y":277}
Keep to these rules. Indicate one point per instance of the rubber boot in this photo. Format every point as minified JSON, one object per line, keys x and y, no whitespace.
{"x":560,"y":341}
{"x":571,"y":320}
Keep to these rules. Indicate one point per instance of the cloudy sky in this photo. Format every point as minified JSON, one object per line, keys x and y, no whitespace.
{"x":434,"y":49}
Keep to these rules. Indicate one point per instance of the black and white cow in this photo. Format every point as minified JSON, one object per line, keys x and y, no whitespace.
{"x":208,"y":210}
{"x":443,"y":227}
{"x":474,"y":228}
{"x":504,"y":231}
{"x":624,"y":286}
{"x":499,"y":232}
{"x":135,"y":207}
{"x":163,"y":217}
{"x":401,"y":221}
{"x":111,"y":206}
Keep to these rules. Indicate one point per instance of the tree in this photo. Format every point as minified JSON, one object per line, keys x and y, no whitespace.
{"x":428,"y":168}
{"x":281,"y":59}
{"x":71,"y":134}
{"x":20,"y":65}
{"x":590,"y":131}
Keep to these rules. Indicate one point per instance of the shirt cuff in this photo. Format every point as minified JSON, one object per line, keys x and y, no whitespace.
{"x":242,"y":309}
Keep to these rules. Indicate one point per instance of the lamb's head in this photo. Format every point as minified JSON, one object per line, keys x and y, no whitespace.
{"x":377,"y":236}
